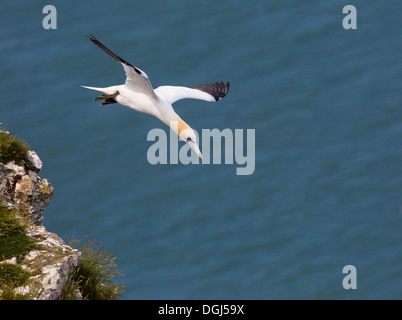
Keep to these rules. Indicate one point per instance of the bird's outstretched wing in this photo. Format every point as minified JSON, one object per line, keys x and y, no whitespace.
{"x":137,"y":80}
{"x":206,"y":92}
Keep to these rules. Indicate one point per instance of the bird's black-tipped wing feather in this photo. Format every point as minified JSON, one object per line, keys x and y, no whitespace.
{"x":218,"y":89}
{"x":137,"y":80}
{"x":111,"y":53}
{"x":206,"y":92}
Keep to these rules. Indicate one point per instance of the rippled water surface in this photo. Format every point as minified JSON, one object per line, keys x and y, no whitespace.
{"x":325,"y":104}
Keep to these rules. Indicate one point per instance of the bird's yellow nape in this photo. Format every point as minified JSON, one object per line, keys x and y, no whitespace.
{"x":178,"y":125}
{"x":185,"y":132}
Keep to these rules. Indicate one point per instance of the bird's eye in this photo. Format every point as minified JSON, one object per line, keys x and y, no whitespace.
{"x":188,"y":139}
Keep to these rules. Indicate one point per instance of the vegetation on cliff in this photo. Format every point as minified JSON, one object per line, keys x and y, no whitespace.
{"x":12,"y":149}
{"x":13,"y":240}
{"x":13,"y":243}
{"x":34,"y":263}
{"x":94,"y":274}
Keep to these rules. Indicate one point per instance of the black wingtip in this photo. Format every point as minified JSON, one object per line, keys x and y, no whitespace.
{"x":218,"y":89}
{"x":111,"y":53}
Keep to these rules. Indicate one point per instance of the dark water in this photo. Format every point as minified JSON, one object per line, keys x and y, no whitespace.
{"x":325,"y":104}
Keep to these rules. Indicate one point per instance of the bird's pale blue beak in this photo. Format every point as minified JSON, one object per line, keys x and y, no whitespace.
{"x":194,"y":146}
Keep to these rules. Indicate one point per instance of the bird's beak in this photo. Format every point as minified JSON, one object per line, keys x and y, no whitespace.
{"x":194,"y":146}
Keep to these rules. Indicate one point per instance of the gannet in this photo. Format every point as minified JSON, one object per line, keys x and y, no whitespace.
{"x":137,"y":93}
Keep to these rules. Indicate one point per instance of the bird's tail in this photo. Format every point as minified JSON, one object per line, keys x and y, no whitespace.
{"x":109,"y":94}
{"x":95,"y":88}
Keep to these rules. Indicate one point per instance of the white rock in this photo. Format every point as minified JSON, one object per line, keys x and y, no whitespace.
{"x":25,"y":185}
{"x":12,"y":169}
{"x":55,"y":276}
{"x":10,"y":261}
{"x":34,"y":162}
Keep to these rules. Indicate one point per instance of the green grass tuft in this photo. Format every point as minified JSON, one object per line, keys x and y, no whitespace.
{"x":13,"y":275}
{"x":95,"y":272}
{"x":13,"y":241}
{"x":12,"y":148}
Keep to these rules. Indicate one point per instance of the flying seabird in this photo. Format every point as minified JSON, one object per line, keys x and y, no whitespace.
{"x":138,"y":94}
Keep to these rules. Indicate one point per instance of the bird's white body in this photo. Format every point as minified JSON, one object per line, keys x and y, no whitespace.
{"x":138,"y":94}
{"x":139,"y":101}
{"x":159,"y":106}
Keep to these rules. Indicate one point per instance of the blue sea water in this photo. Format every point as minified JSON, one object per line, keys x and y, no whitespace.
{"x":325,"y":104}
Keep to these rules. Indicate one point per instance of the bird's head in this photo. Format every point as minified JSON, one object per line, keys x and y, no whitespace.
{"x":188,"y":135}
